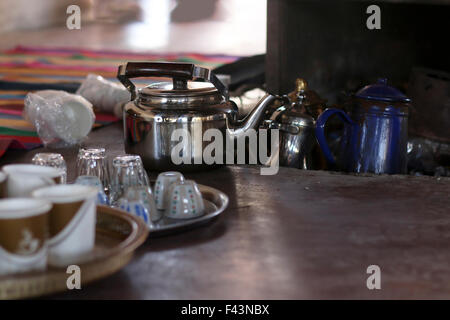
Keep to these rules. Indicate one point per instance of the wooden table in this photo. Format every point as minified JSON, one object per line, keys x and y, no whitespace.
{"x":299,"y":234}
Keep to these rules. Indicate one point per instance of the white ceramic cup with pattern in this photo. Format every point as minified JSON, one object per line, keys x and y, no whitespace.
{"x":163,"y":182}
{"x":184,"y":201}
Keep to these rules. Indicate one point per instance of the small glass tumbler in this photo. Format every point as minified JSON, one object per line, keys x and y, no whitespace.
{"x":54,"y":160}
{"x":94,"y":182}
{"x":92,"y":162}
{"x":127,"y":171}
{"x":139,"y":201}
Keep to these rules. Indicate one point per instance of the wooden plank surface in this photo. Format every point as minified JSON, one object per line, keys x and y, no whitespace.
{"x":299,"y":234}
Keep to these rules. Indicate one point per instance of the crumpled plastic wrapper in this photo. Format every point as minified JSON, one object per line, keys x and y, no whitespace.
{"x":61,"y":119}
{"x":105,"y":95}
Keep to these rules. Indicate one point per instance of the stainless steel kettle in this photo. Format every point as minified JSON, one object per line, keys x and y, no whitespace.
{"x":194,"y":101}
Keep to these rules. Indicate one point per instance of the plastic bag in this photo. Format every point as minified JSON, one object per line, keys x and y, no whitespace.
{"x":105,"y":95}
{"x":61,"y":119}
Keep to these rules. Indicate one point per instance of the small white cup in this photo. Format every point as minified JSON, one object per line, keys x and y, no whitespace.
{"x":23,"y":235}
{"x":184,"y":200}
{"x":71,"y":221}
{"x":24,"y":178}
{"x":162,"y":184}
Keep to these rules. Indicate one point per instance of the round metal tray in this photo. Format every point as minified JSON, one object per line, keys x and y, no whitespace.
{"x":118,"y":234}
{"x":215,"y":203}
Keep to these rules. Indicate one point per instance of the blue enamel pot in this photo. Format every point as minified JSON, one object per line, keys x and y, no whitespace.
{"x":375,"y":132}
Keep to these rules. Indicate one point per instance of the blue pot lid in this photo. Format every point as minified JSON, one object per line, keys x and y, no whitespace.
{"x":382,"y":92}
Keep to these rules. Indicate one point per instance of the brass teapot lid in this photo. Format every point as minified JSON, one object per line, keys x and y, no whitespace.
{"x":288,"y":120}
{"x":293,"y":117}
{"x":296,"y":111}
{"x":305,"y":96}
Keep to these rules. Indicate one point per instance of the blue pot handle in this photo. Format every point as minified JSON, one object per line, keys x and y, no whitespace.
{"x":320,"y":130}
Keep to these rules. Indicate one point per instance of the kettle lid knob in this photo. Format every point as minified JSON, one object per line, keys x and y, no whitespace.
{"x":301,"y":84}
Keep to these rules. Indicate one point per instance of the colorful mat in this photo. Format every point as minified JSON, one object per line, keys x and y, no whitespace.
{"x":25,"y":69}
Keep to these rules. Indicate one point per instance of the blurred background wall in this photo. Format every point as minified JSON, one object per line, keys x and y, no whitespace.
{"x":235,"y":27}
{"x":26,"y":14}
{"x":328,"y":43}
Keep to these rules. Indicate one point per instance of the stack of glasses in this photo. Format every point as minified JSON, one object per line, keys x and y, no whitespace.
{"x":123,"y":183}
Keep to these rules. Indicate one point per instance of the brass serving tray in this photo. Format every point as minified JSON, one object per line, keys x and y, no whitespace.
{"x":215,"y":203}
{"x":118,"y":234}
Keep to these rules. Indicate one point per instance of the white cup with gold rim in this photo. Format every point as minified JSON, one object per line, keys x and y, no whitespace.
{"x":71,"y":221}
{"x":22,"y":179}
{"x":23,"y":234}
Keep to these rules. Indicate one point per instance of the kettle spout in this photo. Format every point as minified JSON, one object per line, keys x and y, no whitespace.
{"x":237,"y":129}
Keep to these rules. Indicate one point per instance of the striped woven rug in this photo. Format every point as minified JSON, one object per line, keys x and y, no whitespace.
{"x":25,"y":69}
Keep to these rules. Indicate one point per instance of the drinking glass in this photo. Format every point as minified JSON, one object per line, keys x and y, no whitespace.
{"x":54,"y":160}
{"x":139,"y":201}
{"x":94,"y":182}
{"x":127,"y":171}
{"x":92,"y":162}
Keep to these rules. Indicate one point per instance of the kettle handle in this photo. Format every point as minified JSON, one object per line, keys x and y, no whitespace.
{"x":179,"y":72}
{"x":320,"y":130}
